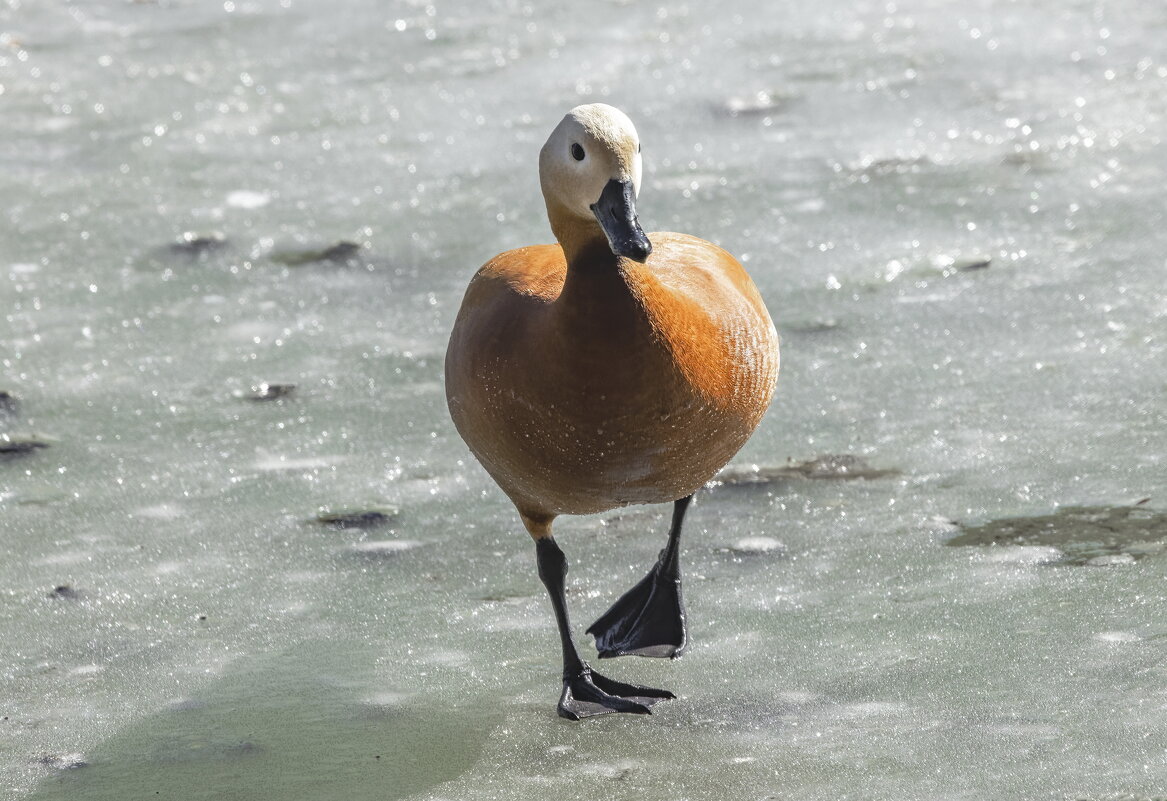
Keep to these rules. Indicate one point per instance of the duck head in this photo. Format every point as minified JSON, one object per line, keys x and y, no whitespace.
{"x":590,"y":170}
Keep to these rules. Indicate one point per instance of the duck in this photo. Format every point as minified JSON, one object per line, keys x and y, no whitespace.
{"x":610,"y":368}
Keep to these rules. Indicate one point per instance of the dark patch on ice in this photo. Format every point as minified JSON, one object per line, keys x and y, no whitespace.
{"x":835,"y":467}
{"x":1029,"y":160}
{"x":951,"y":263}
{"x":506,"y":597}
{"x":339,"y":253}
{"x":1096,"y":536}
{"x":967,"y":265}
{"x":265,"y":392}
{"x":9,"y":405}
{"x":12,"y":447}
{"x":64,"y":592}
{"x":194,"y":245}
{"x":242,"y":748}
{"x":358,"y":518}
{"x":200,"y":748}
{"x":61,"y":761}
{"x":186,"y":705}
{"x":284,"y":723}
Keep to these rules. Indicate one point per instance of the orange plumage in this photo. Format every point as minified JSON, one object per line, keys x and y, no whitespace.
{"x":586,"y":389}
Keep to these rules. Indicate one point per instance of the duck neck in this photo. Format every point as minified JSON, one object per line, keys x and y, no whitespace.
{"x":583,"y":241}
{"x":595,"y":292}
{"x":596,"y":302}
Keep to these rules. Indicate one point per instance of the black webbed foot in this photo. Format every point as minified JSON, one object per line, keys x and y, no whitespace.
{"x":648,"y":620}
{"x":587,"y":694}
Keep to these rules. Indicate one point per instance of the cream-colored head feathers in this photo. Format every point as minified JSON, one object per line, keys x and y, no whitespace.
{"x":592,"y":145}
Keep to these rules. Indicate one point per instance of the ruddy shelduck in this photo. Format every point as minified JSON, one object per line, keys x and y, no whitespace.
{"x":612,"y":368}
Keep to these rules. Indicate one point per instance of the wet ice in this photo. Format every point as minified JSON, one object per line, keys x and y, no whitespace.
{"x":953,"y":212}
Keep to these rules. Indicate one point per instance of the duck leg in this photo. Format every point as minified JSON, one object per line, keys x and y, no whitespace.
{"x":649,"y":619}
{"x":585,"y":692}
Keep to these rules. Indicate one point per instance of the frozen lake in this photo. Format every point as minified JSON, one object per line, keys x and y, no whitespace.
{"x":938,"y":571}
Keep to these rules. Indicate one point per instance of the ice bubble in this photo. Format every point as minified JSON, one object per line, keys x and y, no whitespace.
{"x":384,"y":547}
{"x":274,"y":462}
{"x":1025,"y":554}
{"x":71,"y":556}
{"x":758,"y":545}
{"x":246,"y":199}
{"x":161,"y":511}
{"x":1111,"y":560}
{"x":385,"y":698}
{"x":84,"y":671}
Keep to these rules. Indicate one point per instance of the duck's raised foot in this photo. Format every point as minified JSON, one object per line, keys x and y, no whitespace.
{"x":648,"y":620}
{"x":587,"y":694}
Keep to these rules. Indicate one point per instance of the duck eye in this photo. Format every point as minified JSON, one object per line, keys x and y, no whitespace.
{"x":577,"y":151}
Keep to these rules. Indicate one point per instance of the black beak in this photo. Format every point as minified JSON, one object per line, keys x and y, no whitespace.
{"x":616,"y":212}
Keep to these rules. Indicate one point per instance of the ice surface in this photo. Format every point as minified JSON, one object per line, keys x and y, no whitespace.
{"x":954,"y":211}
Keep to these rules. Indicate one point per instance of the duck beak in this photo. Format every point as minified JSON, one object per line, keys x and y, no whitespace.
{"x":616,"y":213}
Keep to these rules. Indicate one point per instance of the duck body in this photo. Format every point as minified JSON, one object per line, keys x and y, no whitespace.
{"x":609,"y":369}
{"x":611,"y":383}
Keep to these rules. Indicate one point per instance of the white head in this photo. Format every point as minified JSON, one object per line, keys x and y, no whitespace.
{"x":590,"y":169}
